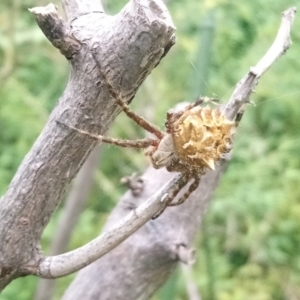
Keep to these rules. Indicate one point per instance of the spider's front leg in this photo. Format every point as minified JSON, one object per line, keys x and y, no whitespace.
{"x":131,"y":114}
{"x":173,"y":114}
{"x":137,"y":119}
{"x":141,"y":143}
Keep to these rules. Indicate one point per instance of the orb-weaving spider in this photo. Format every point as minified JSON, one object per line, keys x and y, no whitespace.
{"x":195,"y":139}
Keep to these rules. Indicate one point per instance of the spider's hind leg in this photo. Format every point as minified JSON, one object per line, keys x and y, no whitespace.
{"x":186,"y":195}
{"x":173,"y":193}
{"x":131,"y":114}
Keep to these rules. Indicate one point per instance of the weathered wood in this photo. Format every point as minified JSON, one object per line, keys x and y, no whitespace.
{"x":127,"y":47}
{"x":141,"y":264}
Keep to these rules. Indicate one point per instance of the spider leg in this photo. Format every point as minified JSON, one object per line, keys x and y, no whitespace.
{"x":173,"y":115}
{"x":173,"y":193}
{"x":141,"y":143}
{"x":239,"y":116}
{"x":185,"y":196}
{"x":201,"y":100}
{"x":137,"y":119}
{"x":131,"y":114}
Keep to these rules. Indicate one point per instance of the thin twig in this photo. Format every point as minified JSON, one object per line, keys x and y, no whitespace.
{"x":245,"y":86}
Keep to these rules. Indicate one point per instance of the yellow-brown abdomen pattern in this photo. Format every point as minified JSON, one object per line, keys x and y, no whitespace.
{"x":202,"y":136}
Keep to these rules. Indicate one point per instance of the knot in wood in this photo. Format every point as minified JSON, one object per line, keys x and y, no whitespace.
{"x":202,"y":135}
{"x":23,"y":222}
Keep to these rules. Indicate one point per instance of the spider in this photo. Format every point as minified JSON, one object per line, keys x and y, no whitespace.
{"x":195,"y":139}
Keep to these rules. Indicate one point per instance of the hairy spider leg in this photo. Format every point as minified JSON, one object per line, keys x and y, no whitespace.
{"x":186,"y":195}
{"x":201,"y":100}
{"x":137,"y":119}
{"x":173,"y":115}
{"x":141,"y":143}
{"x":131,"y":114}
{"x":173,"y":193}
{"x":177,"y":114}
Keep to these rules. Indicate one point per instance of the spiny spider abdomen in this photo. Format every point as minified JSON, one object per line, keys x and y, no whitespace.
{"x":201,"y":137}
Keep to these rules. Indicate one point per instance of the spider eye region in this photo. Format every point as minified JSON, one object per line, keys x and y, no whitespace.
{"x":163,"y":154}
{"x":202,"y":136}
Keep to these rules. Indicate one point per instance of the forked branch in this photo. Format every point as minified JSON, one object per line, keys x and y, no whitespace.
{"x":52,"y":267}
{"x":70,"y":262}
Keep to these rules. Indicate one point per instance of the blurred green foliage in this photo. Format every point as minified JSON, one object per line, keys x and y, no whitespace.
{"x":249,"y":245}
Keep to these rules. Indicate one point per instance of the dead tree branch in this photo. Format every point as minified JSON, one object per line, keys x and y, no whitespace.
{"x":127,"y":47}
{"x":69,"y":218}
{"x":247,"y":84}
{"x":141,"y":264}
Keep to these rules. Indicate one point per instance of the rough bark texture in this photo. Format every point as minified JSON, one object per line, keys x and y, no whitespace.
{"x":73,"y":208}
{"x":127,"y":47}
{"x":121,"y":50}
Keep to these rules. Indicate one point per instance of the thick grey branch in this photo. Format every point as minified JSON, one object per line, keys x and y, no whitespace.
{"x":146,"y":259}
{"x":128,"y":46}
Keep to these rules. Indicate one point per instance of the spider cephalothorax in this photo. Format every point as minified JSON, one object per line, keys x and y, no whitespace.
{"x":196,"y":138}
